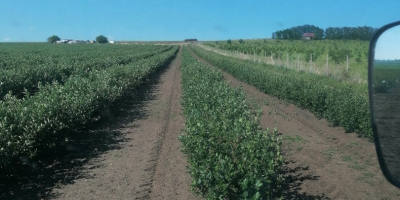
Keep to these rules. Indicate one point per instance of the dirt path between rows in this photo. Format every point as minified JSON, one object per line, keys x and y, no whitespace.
{"x":171,"y":179}
{"x":321,"y":162}
{"x":148,"y":163}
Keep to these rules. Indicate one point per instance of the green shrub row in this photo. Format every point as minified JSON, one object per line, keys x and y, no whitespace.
{"x":337,"y":50}
{"x":340,"y":105}
{"x":26,"y":71}
{"x":20,"y":55}
{"x":230,"y":156}
{"x":30,"y":124}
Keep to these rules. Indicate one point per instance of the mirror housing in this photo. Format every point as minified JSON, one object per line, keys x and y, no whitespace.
{"x":382,"y":99}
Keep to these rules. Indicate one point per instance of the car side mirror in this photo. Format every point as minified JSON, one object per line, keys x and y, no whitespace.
{"x":384,"y":98}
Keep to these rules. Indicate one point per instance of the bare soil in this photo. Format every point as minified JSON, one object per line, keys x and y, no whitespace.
{"x":321,"y":162}
{"x":150,"y":165}
{"x":134,"y":154}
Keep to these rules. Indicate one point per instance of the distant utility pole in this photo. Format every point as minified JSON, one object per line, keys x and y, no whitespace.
{"x":265,"y":56}
{"x":272,"y":59}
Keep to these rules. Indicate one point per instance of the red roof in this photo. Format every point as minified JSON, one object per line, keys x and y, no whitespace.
{"x":308,"y":34}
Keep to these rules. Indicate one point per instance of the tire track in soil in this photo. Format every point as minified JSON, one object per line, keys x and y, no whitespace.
{"x":321,"y":162}
{"x":172,"y":179}
{"x":140,"y":168}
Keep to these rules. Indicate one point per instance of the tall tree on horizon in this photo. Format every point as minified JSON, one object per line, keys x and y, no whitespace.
{"x":53,"y":39}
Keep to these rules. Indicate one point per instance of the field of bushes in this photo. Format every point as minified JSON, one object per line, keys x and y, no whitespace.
{"x":47,"y":89}
{"x":342,"y":104}
{"x":306,"y":55}
{"x":230,"y":157}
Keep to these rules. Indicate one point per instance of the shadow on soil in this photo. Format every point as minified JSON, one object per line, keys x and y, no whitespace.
{"x":294,"y":178}
{"x":67,"y":163}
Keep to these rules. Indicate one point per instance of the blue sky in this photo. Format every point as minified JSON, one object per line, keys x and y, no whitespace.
{"x":35,"y":20}
{"x":388,"y":45}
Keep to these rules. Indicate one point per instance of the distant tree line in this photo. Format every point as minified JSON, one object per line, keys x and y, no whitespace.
{"x":295,"y":33}
{"x":349,"y":33}
{"x":99,"y":39}
{"x":332,"y":33}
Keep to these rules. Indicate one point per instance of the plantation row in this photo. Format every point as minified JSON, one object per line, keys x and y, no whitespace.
{"x":17,"y":55}
{"x":341,"y":105}
{"x":28,"y":66}
{"x":30,"y":125}
{"x":337,"y":51}
{"x":230,"y":156}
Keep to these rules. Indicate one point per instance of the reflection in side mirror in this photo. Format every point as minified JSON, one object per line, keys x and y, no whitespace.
{"x":384,"y":94}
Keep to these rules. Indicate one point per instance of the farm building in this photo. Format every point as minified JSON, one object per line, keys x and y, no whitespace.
{"x":308,"y":36}
{"x":64,"y":41}
{"x":111,"y":42}
{"x":190,"y":40}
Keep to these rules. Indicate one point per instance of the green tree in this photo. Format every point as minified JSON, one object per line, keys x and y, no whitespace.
{"x":229,"y":41}
{"x":101,"y":39}
{"x":350,"y":33}
{"x":295,"y":33}
{"x":241,"y":41}
{"x":53,"y":39}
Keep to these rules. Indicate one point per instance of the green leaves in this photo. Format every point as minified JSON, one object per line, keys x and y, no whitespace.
{"x":341,"y":105}
{"x":101,"y":39}
{"x":229,"y":156}
{"x":53,"y":39}
{"x":24,"y":66}
{"x":32,"y":123}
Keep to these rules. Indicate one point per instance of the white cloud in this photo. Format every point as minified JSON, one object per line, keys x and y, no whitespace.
{"x":6,"y":39}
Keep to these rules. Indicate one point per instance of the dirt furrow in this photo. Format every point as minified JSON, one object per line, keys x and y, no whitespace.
{"x":172,"y":180}
{"x":148,"y":163}
{"x":321,"y":162}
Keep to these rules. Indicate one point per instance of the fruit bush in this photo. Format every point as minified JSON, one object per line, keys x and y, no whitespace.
{"x":230,"y":156}
{"x":29,"y":125}
{"x":339,"y":103}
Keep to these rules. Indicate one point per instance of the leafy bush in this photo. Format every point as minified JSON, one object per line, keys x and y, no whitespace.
{"x":230,"y":157}
{"x":29,"y":125}
{"x":27,"y":65}
{"x":340,"y":105}
{"x":339,"y":55}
